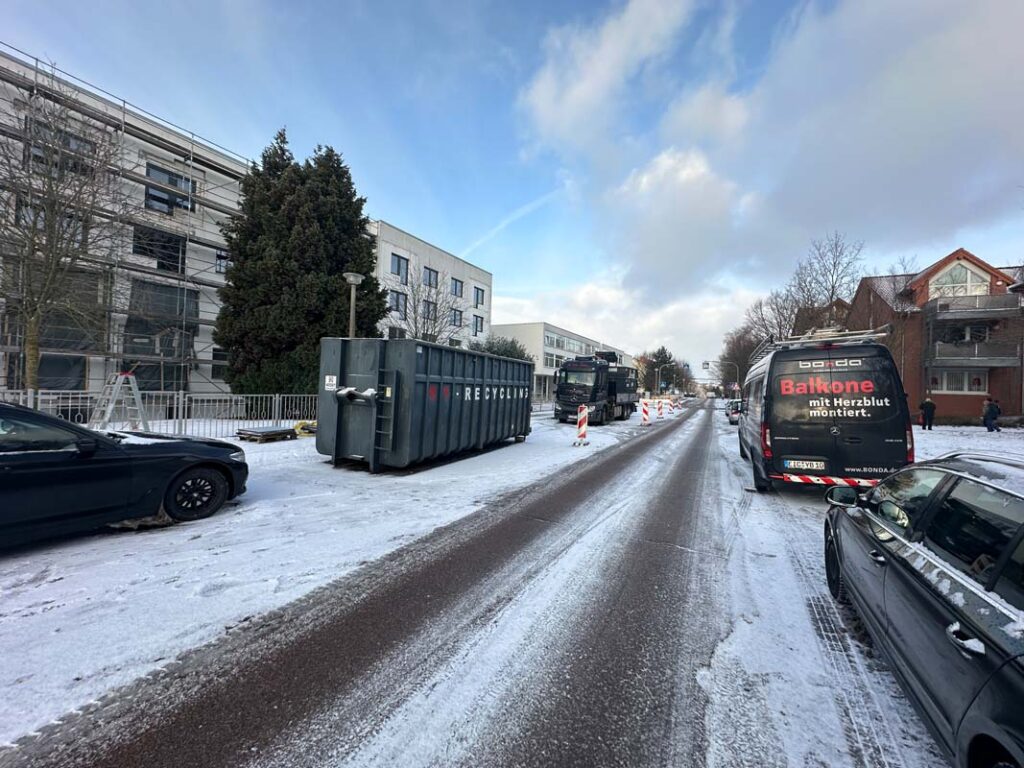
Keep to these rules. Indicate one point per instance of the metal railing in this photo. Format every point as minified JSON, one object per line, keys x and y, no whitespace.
{"x":183,"y":413}
{"x":981,"y":349}
{"x":996,"y":301}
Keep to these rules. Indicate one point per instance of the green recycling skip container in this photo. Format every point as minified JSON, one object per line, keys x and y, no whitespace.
{"x":395,"y":402}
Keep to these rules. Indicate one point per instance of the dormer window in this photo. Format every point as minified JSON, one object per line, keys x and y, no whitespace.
{"x":959,"y":280}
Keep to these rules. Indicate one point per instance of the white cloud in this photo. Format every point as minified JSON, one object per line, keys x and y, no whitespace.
{"x":608,"y":310}
{"x":899,"y":124}
{"x":571,"y":101}
{"x":708,"y":115}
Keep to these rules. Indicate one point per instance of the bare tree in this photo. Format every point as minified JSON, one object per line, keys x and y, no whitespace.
{"x":61,"y":208}
{"x":833,"y":269}
{"x":433,"y":312}
{"x":773,"y":315}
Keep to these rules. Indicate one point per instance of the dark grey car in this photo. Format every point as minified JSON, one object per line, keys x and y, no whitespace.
{"x":933,"y":559}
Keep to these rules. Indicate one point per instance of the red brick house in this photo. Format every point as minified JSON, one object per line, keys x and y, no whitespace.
{"x":958,"y":332}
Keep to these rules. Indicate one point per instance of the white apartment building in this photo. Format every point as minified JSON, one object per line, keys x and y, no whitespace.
{"x":156,"y":292}
{"x":423,"y":278}
{"x":550,"y":347}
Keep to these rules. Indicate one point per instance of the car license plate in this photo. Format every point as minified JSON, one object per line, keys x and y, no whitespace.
{"x":797,"y":464}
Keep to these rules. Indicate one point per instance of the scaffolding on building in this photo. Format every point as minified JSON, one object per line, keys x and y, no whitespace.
{"x":155,"y":308}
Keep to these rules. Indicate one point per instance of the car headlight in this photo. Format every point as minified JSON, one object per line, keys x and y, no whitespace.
{"x":238,"y":456}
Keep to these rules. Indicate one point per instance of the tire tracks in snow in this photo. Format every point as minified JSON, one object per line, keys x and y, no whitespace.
{"x":225,"y":703}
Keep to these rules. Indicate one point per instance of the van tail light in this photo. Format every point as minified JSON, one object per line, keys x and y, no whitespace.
{"x":910,"y":443}
{"x":766,"y":440}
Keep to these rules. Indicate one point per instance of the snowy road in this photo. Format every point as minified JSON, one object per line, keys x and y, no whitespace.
{"x":644,"y":609}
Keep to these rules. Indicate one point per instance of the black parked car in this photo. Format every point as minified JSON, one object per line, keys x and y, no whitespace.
{"x":933,"y":559}
{"x":58,"y":478}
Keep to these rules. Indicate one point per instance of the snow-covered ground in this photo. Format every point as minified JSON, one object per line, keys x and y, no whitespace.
{"x":85,"y":615}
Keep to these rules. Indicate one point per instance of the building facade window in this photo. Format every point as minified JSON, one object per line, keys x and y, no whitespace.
{"x":397,"y":303}
{"x":396,"y":333}
{"x":430,"y":277}
{"x":478,"y":297}
{"x":553,"y":361}
{"x":167,"y":248}
{"x":959,"y":280}
{"x":164,"y":201}
{"x":400,"y":268}
{"x":955,"y":381}
{"x":454,"y":343}
{"x":478,"y":325}
{"x":60,"y":150}
{"x":457,"y":287}
{"x":457,"y":318}
{"x":220,"y":363}
{"x":558,"y":341}
{"x":221,"y":262}
{"x":429,"y":310}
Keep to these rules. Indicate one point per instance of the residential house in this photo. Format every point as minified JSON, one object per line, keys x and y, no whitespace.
{"x":957,"y":332}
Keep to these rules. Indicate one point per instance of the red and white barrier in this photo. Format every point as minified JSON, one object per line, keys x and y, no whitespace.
{"x":645,"y":414}
{"x":582,"y":420}
{"x":661,"y":409}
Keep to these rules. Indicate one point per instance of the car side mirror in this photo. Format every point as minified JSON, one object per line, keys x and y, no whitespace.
{"x":841,"y":496}
{"x":86,"y":446}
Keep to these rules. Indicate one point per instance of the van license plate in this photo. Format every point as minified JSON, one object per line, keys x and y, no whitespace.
{"x":796,"y":464}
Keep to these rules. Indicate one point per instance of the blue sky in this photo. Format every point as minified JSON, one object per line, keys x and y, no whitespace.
{"x":635,"y":170}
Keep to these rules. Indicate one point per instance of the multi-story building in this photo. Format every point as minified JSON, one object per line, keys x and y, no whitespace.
{"x":551,"y":346}
{"x":432,"y":294}
{"x":958,"y":332}
{"x":152,"y":298}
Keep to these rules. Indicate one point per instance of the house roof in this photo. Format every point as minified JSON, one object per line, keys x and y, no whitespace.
{"x":809,"y":317}
{"x":960,"y":254}
{"x":890,"y":288}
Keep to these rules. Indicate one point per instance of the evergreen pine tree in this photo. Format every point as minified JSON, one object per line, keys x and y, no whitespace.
{"x":299,"y":228}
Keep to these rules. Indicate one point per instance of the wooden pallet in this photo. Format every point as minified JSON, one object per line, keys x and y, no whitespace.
{"x":266,"y":434}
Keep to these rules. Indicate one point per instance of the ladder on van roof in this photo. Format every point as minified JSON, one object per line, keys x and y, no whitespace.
{"x":816,"y":336}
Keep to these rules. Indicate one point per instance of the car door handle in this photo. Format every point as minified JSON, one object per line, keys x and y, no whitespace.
{"x":878,"y":557}
{"x":968,"y":646}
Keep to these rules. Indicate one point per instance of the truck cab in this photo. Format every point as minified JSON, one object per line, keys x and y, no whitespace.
{"x":599,"y":382}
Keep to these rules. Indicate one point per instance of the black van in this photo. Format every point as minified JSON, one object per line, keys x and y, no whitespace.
{"x":825,"y":411}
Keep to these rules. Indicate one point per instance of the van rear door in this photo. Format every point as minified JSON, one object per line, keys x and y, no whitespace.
{"x":838,"y":411}
{"x":801,"y":431}
{"x":870,"y":412}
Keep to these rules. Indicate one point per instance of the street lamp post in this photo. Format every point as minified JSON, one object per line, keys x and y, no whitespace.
{"x":657,"y":378}
{"x":707,"y":364}
{"x":353,"y":279}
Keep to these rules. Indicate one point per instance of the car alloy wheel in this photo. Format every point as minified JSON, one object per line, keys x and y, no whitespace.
{"x":195,"y":494}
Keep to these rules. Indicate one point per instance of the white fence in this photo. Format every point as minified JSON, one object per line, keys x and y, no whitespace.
{"x":182,"y":413}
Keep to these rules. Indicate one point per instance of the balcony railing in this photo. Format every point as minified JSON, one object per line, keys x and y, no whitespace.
{"x":998,"y":303}
{"x":982,"y":350}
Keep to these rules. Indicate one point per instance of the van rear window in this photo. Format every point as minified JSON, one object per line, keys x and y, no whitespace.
{"x":811,"y":391}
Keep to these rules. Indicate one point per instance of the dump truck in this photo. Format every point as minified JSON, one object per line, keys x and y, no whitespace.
{"x":601,"y":383}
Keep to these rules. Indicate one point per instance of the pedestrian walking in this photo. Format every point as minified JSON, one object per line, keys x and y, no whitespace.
{"x":990,"y":415}
{"x":999,"y":412}
{"x":927,"y":409}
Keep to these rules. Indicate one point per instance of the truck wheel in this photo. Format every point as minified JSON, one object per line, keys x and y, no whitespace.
{"x":760,"y":485}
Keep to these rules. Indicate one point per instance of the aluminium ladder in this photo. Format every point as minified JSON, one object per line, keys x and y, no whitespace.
{"x":119,"y":387}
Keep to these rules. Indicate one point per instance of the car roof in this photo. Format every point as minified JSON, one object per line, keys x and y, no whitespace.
{"x":1004,"y":472}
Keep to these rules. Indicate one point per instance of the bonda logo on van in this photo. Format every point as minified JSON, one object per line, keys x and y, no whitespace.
{"x":852,"y":362}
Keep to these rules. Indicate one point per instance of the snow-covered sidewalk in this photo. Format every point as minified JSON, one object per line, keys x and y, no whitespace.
{"x":82,"y":616}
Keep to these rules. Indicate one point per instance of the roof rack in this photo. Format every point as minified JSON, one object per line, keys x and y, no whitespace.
{"x":816,"y":336}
